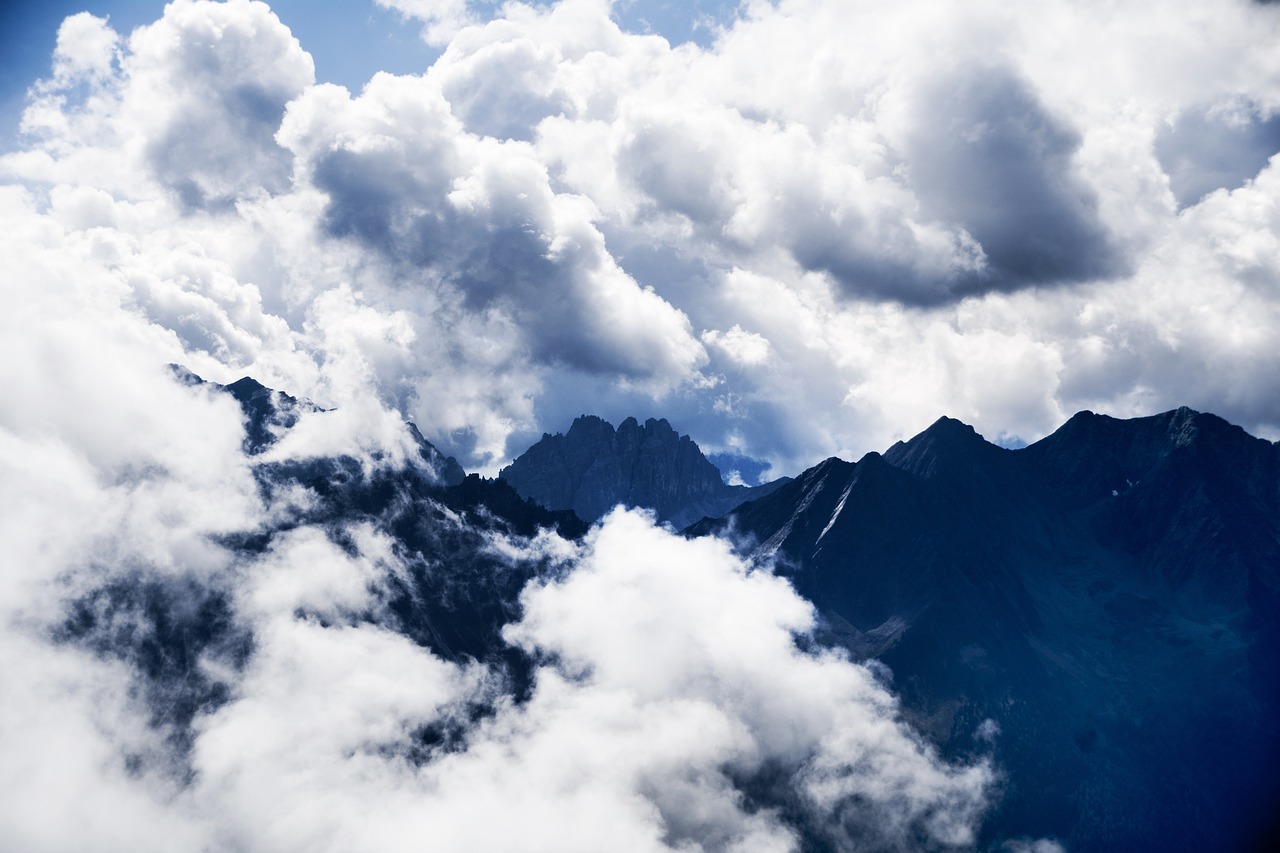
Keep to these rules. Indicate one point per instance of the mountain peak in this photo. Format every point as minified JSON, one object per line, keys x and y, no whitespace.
{"x":945,"y":441}
{"x":593,"y":467}
{"x":589,"y":425}
{"x":247,"y":385}
{"x":1141,"y":442}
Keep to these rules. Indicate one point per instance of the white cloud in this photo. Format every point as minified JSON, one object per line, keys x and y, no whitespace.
{"x":441,"y":19}
{"x":671,"y":677}
{"x":534,"y":227}
{"x":743,"y":347}
{"x":559,"y":210}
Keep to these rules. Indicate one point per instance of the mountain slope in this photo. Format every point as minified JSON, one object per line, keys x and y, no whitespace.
{"x":1108,"y":596}
{"x":593,"y":467}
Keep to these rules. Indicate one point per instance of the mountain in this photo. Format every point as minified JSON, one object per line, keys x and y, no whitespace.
{"x":269,"y":413}
{"x":1108,"y":597}
{"x":593,"y":468}
{"x":1098,"y":612}
{"x":456,"y":596}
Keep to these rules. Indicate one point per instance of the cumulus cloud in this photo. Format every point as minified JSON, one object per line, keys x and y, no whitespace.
{"x":687,"y":743}
{"x":193,"y":104}
{"x":478,"y":217}
{"x":919,"y":208}
{"x":170,"y":687}
{"x":441,"y":19}
{"x":711,"y":650}
{"x":683,"y":743}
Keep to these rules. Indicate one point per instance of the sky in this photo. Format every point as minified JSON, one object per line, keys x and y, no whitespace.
{"x":794,"y":229}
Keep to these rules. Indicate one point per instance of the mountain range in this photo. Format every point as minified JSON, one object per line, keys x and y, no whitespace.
{"x":1098,"y":612}
{"x":1107,"y":598}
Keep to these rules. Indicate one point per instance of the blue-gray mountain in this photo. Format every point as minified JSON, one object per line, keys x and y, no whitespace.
{"x":1108,"y":596}
{"x":593,"y":468}
{"x":1100,"y":611}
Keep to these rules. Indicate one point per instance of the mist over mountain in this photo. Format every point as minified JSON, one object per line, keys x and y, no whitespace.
{"x":1096,"y":612}
{"x":374,"y":652}
{"x":269,"y":413}
{"x":593,"y":467}
{"x":1109,"y":597}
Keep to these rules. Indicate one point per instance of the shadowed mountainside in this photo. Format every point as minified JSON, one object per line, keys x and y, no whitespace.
{"x":1108,"y":596}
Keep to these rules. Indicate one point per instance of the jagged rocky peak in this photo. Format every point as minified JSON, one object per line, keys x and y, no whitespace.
{"x":593,"y":467}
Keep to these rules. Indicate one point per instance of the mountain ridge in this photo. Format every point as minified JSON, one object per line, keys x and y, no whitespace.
{"x":1106,"y":595}
{"x":1098,"y":611}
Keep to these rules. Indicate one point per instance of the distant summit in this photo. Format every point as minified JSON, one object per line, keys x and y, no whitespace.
{"x":594,"y":467}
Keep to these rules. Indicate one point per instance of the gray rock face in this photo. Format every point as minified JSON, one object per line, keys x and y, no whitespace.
{"x":594,"y":467}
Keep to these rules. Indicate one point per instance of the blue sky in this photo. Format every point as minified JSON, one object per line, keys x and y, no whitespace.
{"x":350,"y":40}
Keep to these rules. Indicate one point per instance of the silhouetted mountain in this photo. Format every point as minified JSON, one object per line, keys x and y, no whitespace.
{"x":1108,"y":596}
{"x":594,"y":467}
{"x":446,"y":467}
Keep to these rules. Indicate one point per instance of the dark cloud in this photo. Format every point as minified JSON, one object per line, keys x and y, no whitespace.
{"x":1206,"y":149}
{"x":988,"y":156}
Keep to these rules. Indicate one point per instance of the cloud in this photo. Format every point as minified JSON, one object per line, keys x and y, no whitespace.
{"x":478,"y":218}
{"x":636,"y":619}
{"x":1206,"y":150}
{"x":193,"y":104}
{"x":989,"y":157}
{"x":441,"y":19}
{"x":171,"y":687}
{"x":900,"y":201}
{"x":689,"y":742}
{"x":302,"y":716}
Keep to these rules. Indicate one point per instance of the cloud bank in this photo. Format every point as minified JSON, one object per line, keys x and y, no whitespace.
{"x":1004,"y":215}
{"x":170,"y":687}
